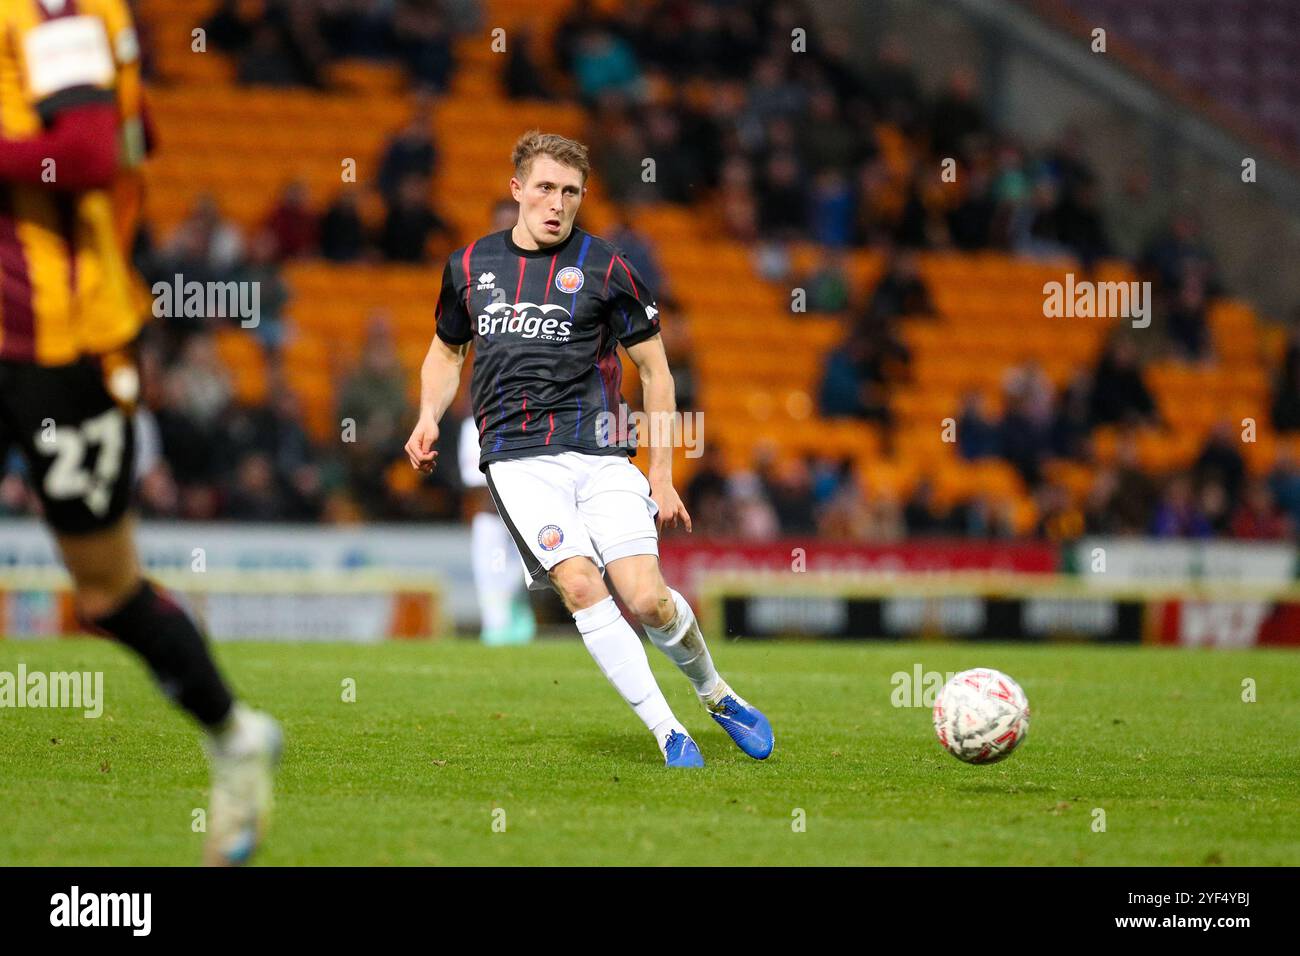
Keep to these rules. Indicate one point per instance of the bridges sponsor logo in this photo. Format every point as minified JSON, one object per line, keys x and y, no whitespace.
{"x":527,"y":320}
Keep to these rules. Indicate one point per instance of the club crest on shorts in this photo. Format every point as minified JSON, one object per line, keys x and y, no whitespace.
{"x":569,"y":279}
{"x":550,"y":537}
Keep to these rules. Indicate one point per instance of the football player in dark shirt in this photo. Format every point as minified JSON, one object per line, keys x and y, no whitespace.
{"x":546,"y":305}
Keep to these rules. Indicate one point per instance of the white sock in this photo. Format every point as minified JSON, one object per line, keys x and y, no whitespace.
{"x":492,"y":555}
{"x":621,"y":658}
{"x":683,"y":644}
{"x":232,"y":735}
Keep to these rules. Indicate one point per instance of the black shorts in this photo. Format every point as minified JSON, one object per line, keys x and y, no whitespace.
{"x":78,"y":441}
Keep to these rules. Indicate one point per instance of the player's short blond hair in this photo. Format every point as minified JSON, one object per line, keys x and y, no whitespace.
{"x":565,"y":151}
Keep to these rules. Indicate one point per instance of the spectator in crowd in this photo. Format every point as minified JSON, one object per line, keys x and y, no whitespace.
{"x":956,"y":116}
{"x":831,"y":211}
{"x":1188,"y":331}
{"x":619,"y":155}
{"x":204,"y":247}
{"x":1024,"y":437}
{"x":260,"y":271}
{"x":254,"y":495}
{"x":1215,"y":506}
{"x":707,"y":496}
{"x":1135,"y":493}
{"x":292,"y":223}
{"x":829,"y":141}
{"x":987,"y":518}
{"x":755,"y":518}
{"x":355,"y":28}
{"x":788,"y":485}
{"x":1177,"y":248}
{"x":853,"y":382}
{"x":678,"y":176}
{"x":1259,"y":518}
{"x":604,"y":63}
{"x":892,"y":86}
{"x":523,"y":78}
{"x":410,"y":152}
{"x":1178,"y":515}
{"x":342,"y":233}
{"x":1284,"y":483}
{"x":582,"y":16}
{"x":1058,"y":518}
{"x":1119,"y":394}
{"x":1098,"y":515}
{"x":423,"y":42}
{"x":1136,"y":213}
{"x":411,"y":224}
{"x":827,"y":476}
{"x":925,"y":516}
{"x":901,"y":291}
{"x":772,"y":95}
{"x":275,"y":432}
{"x":1220,"y":460}
{"x":978,"y":434}
{"x":827,"y":285}
{"x":681,"y":362}
{"x":1071,"y":431}
{"x":374,"y":399}
{"x":1079,"y":223}
{"x":283,"y":50}
{"x":196,"y":395}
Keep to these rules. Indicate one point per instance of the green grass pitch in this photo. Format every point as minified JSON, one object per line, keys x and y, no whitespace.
{"x":442,"y":734}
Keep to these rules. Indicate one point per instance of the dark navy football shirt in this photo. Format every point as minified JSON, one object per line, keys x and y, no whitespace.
{"x":546,"y":326}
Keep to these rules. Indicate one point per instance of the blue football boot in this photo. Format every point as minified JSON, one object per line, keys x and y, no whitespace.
{"x":743,"y":722}
{"x":680,"y":751}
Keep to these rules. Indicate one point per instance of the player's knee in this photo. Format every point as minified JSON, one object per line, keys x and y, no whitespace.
{"x":579,"y":583}
{"x":97,"y":599}
{"x":651,"y":603}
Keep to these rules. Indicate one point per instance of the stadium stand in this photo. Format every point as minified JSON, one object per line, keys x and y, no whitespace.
{"x":759,"y":364}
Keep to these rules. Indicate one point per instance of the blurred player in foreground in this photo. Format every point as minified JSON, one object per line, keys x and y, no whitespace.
{"x":547,"y":304}
{"x":72,"y":137}
{"x":502,"y":596}
{"x":504,"y":609}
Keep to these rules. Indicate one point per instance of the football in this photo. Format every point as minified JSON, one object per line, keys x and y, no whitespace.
{"x":981,"y":715}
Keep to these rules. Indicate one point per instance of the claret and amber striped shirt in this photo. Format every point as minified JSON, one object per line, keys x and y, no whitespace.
{"x":66,"y":287}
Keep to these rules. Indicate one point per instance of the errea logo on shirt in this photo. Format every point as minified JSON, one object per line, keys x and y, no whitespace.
{"x":487,"y":281}
{"x":527,"y":320}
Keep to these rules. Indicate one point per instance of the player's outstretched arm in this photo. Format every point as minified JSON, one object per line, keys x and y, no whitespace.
{"x":439,"y":379}
{"x":660,"y":402}
{"x":77,"y":152}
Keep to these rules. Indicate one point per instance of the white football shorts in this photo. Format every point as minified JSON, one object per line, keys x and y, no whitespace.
{"x":570,"y":505}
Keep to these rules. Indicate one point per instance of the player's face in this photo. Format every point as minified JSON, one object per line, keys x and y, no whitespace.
{"x":548,"y":202}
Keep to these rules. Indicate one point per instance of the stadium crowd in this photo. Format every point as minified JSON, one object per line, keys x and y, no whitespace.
{"x":779,"y":148}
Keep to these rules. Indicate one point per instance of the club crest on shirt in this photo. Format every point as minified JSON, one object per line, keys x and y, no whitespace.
{"x":569,"y":279}
{"x":550,"y":537}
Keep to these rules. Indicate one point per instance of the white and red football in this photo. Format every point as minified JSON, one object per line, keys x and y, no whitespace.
{"x":981,"y":715}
